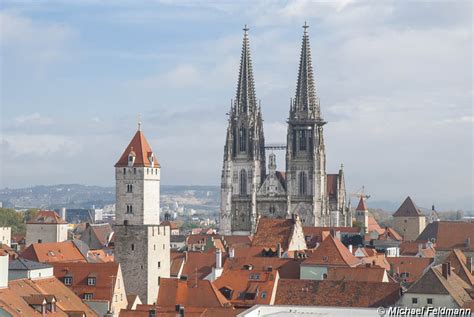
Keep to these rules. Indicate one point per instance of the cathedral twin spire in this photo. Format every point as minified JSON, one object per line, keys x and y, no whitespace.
{"x":306,"y":103}
{"x":245,"y":100}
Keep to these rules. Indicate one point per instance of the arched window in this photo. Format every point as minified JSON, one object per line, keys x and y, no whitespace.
{"x":243,"y":182}
{"x":302,"y":140}
{"x":234,"y":141}
{"x":242,"y":139}
{"x":302,"y":184}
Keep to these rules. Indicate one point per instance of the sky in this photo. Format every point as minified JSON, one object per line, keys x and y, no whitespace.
{"x":394,"y":79}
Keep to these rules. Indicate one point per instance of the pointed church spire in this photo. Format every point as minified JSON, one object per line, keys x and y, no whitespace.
{"x":245,"y":100}
{"x":306,"y":103}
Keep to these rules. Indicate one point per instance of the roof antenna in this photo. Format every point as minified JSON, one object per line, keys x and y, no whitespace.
{"x":139,"y":122}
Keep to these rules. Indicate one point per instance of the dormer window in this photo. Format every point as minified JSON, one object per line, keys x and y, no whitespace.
{"x":91,"y":281}
{"x":131,"y":158}
{"x":88,"y":296}
{"x":151,"y":158}
{"x":68,"y":280}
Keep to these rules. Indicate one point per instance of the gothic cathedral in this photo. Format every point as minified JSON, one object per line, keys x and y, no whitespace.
{"x":247,"y":190}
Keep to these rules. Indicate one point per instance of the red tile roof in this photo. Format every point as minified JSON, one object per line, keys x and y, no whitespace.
{"x":362,"y":206}
{"x":314,"y":235}
{"x":373,"y":225}
{"x":336,"y":293}
{"x":449,"y":235}
{"x":245,"y":287}
{"x":331,"y":252}
{"x":47,"y":217}
{"x":458,"y":263}
{"x":65,"y":251}
{"x":141,"y":149}
{"x":171,"y":224}
{"x":12,"y":299}
{"x":105,"y":274}
{"x":408,"y":209}
{"x":433,"y":282}
{"x":360,"y":273}
{"x":286,"y":267}
{"x":271,"y":232}
{"x":411,"y":248}
{"x":414,"y":266}
{"x":188,"y":293}
{"x":198,"y":264}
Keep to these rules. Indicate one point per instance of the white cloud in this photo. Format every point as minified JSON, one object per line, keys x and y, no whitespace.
{"x":28,"y":40}
{"x":39,"y":145}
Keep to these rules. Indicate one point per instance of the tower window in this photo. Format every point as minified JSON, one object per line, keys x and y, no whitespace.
{"x":234,"y":141}
{"x":302,"y":184}
{"x":129,"y":188}
{"x":133,"y":247}
{"x":302,"y":140}
{"x":124,"y":171}
{"x":242,"y":139}
{"x":129,"y":209}
{"x":243,"y":182}
{"x":159,"y":264}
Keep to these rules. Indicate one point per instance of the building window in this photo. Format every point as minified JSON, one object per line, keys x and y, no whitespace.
{"x":159,"y":264}
{"x":124,"y":170}
{"x":264,"y":295}
{"x":302,"y":140}
{"x":133,"y":247}
{"x":129,"y":209}
{"x":243,"y":182}
{"x":129,"y":188}
{"x":88,"y":296}
{"x":159,"y":280}
{"x":429,"y":301}
{"x":134,"y":170}
{"x":242,"y":139}
{"x":414,"y":300}
{"x":234,"y":142}
{"x":68,"y":280}
{"x":302,"y":184}
{"x":154,"y":247}
{"x":91,"y":281}
{"x":325,"y":276}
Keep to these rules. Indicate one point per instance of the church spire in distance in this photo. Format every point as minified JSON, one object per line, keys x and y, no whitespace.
{"x":245,"y":100}
{"x":306,"y":103}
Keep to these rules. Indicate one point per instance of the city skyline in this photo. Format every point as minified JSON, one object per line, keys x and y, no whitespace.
{"x":399,"y":120}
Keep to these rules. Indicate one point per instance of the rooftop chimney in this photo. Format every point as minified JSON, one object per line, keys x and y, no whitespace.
{"x":218,"y":259}
{"x":279,"y":251}
{"x":4,"y":271}
{"x":446,"y":270}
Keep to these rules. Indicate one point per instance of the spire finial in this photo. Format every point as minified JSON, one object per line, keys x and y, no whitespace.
{"x":246,"y":30}
{"x":139,"y":122}
{"x":305,"y":27}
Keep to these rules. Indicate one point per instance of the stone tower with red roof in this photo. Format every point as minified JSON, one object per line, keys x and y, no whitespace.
{"x":409,"y":221}
{"x":142,"y":246}
{"x":362,"y":214}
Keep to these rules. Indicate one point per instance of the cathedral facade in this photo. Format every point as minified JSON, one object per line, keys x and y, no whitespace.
{"x":250,"y":191}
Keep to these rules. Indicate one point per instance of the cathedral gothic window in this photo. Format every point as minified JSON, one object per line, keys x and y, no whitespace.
{"x":302,"y":184}
{"x":243,"y":182}
{"x":242,"y":139}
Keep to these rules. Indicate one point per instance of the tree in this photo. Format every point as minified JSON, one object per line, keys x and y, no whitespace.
{"x":13,"y":219}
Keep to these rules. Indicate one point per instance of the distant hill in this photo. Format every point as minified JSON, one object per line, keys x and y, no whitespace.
{"x":83,"y":196}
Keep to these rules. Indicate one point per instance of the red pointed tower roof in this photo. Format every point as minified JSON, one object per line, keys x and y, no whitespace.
{"x":362,"y":205}
{"x":142,"y":151}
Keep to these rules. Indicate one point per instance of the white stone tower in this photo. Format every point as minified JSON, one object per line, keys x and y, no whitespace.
{"x":243,"y":168}
{"x":305,"y":153}
{"x":142,"y":246}
{"x":362,"y":214}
